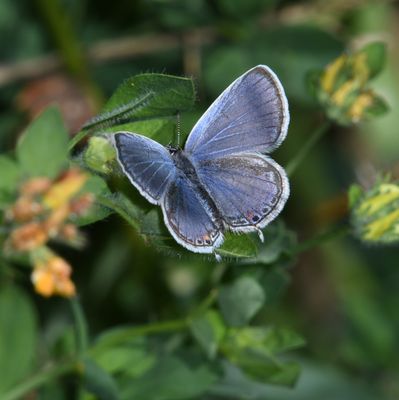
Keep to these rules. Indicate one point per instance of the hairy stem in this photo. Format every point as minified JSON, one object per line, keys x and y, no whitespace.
{"x":332,"y":233}
{"x":306,"y":148}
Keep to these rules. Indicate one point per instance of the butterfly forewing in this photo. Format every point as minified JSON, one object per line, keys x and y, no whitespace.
{"x":250,"y":115}
{"x":146,"y":163}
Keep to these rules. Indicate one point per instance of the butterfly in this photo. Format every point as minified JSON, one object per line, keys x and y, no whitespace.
{"x":222,"y":180}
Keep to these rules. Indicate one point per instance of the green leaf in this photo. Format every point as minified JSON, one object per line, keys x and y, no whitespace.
{"x":375,"y":57}
{"x":266,"y":341}
{"x":170,"y":379}
{"x":208,"y":330}
{"x":122,"y":205}
{"x":274,"y":280}
{"x":312,"y":82}
{"x":144,"y":97}
{"x":240,"y":301}
{"x":18,"y":336}
{"x":99,"y":382}
{"x":285,"y":374}
{"x":161,"y":129}
{"x":355,"y":192}
{"x":244,"y":9}
{"x":151,"y":224}
{"x":133,"y":360}
{"x":377,"y":108}
{"x":254,"y":350}
{"x":318,"y":381}
{"x":10,"y":174}
{"x":237,"y":246}
{"x":278,"y":240}
{"x":96,"y":186}
{"x":42,"y":149}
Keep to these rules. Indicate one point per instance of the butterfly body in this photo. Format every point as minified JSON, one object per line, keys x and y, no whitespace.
{"x":187,"y":173}
{"x":221,"y":180}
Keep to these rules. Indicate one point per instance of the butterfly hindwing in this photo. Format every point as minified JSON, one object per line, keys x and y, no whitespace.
{"x":146,"y":163}
{"x":189,"y":218}
{"x":249,"y":189}
{"x":250,"y":115}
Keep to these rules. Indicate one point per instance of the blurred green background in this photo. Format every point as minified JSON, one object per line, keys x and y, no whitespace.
{"x":341,"y":296}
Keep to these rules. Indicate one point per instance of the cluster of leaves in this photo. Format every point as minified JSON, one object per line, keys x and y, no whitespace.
{"x":129,"y":364}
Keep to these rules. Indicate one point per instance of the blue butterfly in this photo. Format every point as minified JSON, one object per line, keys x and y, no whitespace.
{"x":222,"y":180}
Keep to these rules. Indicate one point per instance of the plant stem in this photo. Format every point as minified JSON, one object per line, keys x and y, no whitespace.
{"x":39,"y":379}
{"x":305,"y":149}
{"x":60,"y":26}
{"x":205,"y":304}
{"x":80,"y":326}
{"x":332,"y":233}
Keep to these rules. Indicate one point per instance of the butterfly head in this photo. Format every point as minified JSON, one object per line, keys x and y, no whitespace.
{"x":173,"y":149}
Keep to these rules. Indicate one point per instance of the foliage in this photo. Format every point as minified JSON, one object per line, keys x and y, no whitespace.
{"x":97,"y":301}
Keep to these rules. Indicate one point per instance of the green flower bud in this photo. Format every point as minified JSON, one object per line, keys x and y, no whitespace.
{"x":99,"y":154}
{"x":342,"y":87}
{"x":375,"y":215}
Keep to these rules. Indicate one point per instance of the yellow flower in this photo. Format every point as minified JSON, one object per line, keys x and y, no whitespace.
{"x":62,"y":191}
{"x":340,"y":96}
{"x":360,"y":105}
{"x":376,"y":229}
{"x":51,"y":276}
{"x":329,"y":76}
{"x":386,"y":194}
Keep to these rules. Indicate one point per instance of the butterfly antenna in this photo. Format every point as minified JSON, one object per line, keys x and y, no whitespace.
{"x":178,"y":128}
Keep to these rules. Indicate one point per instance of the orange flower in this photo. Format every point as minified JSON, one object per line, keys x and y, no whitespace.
{"x":81,"y":205}
{"x":51,"y":276}
{"x":35,"y":186}
{"x":69,"y":232}
{"x":28,"y":237}
{"x":24,"y":210}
